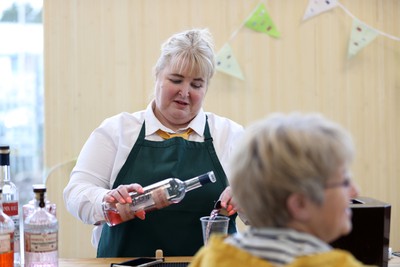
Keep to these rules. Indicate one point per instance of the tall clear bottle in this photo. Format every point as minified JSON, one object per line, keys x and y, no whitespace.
{"x":155,"y":196}
{"x":7,"y":229}
{"x":41,"y":233}
{"x":10,"y":199}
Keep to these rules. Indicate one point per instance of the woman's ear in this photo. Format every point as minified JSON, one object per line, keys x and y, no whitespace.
{"x":298,"y":206}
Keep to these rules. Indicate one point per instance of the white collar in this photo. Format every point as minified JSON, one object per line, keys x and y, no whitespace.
{"x":153,"y":124}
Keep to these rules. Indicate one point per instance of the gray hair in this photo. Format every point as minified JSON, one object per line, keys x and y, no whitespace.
{"x":286,"y":154}
{"x":191,"y":50}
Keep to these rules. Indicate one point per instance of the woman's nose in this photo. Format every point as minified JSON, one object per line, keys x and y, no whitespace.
{"x":354,"y":190}
{"x":184,"y":90}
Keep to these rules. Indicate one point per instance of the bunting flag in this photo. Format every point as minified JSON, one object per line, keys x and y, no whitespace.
{"x":227,"y":63}
{"x":316,"y":7}
{"x":361,"y":36}
{"x":260,"y":21}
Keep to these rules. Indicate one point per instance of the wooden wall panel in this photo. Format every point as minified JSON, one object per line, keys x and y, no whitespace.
{"x":99,"y":56}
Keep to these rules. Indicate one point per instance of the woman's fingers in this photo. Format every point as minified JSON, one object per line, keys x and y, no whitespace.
{"x":227,"y":201}
{"x":121,"y":193}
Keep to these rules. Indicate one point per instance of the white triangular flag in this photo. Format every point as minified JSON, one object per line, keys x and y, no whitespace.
{"x":361,"y":36}
{"x":227,"y":63}
{"x":316,"y":7}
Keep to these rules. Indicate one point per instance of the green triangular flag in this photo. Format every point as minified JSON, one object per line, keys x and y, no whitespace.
{"x":260,"y":21}
{"x":227,"y":63}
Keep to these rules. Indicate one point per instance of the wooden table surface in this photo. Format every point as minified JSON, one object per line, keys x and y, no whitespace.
{"x":105,"y":262}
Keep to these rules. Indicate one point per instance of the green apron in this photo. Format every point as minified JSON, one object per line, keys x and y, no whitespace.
{"x":175,"y":229}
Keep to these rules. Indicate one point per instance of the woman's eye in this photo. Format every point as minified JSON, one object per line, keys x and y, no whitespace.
{"x":197,"y":86}
{"x":175,"y":81}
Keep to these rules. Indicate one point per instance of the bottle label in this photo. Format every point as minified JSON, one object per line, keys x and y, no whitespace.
{"x":45,"y":242}
{"x":6,"y":242}
{"x":16,"y":233}
{"x":160,"y":198}
{"x":142,"y":201}
{"x":10,"y":208}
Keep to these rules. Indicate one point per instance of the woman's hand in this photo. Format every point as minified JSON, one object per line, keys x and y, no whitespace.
{"x":120,"y":195}
{"x":227,"y":201}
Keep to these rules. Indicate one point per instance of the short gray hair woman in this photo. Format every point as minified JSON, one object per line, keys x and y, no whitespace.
{"x":283,"y":155}
{"x":290,"y":178}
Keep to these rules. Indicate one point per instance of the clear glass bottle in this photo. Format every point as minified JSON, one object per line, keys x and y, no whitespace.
{"x":10,"y":199}
{"x":7,"y":230}
{"x":41,"y":233}
{"x":155,"y":196}
{"x":29,"y":208}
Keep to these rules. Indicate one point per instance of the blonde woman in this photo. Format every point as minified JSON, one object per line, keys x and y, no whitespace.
{"x":130,"y":151}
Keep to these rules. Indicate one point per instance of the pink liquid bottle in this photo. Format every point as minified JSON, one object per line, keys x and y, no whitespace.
{"x":155,"y":196}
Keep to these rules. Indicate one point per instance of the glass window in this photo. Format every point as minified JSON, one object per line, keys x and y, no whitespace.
{"x":21,"y":91}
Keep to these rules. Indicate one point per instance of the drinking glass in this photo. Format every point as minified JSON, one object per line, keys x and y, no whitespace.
{"x":214,"y":225}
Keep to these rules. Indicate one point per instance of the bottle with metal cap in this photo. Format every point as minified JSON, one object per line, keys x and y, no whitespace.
{"x":10,"y":198}
{"x":7,"y":230}
{"x":41,"y":233}
{"x":155,"y":196}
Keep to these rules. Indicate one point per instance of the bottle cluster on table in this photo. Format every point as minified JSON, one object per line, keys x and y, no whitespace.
{"x":40,"y":225}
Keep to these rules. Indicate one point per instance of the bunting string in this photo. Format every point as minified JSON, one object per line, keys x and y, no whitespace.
{"x":372,"y":28}
{"x":233,"y":35}
{"x":259,"y":20}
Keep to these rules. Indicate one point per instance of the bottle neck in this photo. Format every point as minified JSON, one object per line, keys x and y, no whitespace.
{"x":192,"y":184}
{"x":4,"y":165}
{"x":199,"y":181}
{"x":4,"y":173}
{"x":40,"y":200}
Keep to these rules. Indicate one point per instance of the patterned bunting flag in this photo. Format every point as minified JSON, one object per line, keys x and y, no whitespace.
{"x":361,"y":36}
{"x":316,"y":7}
{"x":227,"y":63}
{"x":260,"y":21}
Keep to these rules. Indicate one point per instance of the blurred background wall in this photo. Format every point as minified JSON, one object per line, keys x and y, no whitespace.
{"x":99,"y":56}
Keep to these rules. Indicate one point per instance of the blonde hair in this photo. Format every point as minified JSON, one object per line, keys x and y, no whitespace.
{"x":191,"y":50}
{"x":285,"y":154}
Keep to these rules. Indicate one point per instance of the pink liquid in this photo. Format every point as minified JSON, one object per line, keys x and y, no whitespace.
{"x":113,"y":217}
{"x":214,"y":213}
